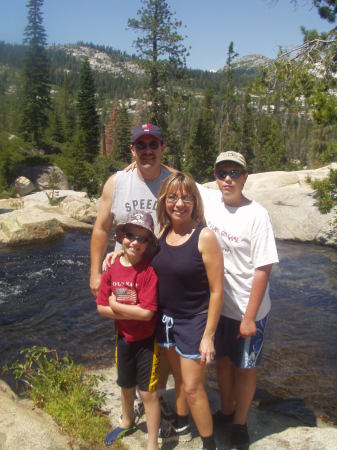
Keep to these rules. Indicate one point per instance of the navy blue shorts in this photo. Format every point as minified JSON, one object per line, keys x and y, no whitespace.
{"x":244,"y":353}
{"x":137,"y":363}
{"x":182,"y":333}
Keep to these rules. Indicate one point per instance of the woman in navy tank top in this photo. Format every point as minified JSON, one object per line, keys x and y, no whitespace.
{"x":189,"y":266}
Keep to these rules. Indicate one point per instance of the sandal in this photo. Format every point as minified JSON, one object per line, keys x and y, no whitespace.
{"x":119,"y":433}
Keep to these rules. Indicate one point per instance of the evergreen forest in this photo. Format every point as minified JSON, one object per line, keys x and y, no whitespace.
{"x":75,"y":106}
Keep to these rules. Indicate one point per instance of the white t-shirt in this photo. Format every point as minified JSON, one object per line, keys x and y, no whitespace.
{"x":247,"y":241}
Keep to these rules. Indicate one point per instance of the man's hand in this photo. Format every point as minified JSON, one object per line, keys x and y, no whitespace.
{"x":95,"y":282}
{"x":110,"y":259}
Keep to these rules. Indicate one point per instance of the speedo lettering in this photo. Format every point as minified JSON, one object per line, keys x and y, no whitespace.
{"x":143,"y":204}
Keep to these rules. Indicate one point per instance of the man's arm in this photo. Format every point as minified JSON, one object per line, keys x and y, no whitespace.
{"x":259,"y":285}
{"x":100,"y":234}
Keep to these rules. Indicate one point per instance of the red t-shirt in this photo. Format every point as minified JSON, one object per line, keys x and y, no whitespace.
{"x":134,"y":285}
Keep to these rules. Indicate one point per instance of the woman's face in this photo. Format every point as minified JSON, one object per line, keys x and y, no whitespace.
{"x":179,"y":205}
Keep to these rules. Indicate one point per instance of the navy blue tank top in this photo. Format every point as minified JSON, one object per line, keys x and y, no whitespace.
{"x":182,"y":279}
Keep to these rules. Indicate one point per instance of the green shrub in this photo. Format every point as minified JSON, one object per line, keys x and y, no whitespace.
{"x":326,"y":191}
{"x":65,"y":391}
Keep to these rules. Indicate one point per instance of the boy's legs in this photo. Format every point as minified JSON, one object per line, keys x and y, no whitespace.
{"x":127,"y":399}
{"x":152,"y":413}
{"x":237,"y":388}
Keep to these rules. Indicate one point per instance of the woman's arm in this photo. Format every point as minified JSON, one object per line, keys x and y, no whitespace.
{"x":212,"y":257}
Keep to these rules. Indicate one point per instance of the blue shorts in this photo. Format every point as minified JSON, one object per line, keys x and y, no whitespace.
{"x":182,"y":333}
{"x":244,"y":353}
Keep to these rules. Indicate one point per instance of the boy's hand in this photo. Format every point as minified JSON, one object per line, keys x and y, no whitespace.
{"x":112,"y":299}
{"x":247,"y":328}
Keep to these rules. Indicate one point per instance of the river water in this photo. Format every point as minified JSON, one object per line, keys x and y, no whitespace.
{"x":45,"y":300}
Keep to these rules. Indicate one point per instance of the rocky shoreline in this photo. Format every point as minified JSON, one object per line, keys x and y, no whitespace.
{"x":27,"y":428}
{"x":287,"y":196}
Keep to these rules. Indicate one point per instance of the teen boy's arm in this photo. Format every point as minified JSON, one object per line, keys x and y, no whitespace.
{"x":100,"y":235}
{"x":259,"y":285}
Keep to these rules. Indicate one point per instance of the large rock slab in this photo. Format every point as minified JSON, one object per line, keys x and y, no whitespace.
{"x":28,"y":225}
{"x":36,"y":220}
{"x":291,"y":204}
{"x":42,"y":176}
{"x":23,"y":427}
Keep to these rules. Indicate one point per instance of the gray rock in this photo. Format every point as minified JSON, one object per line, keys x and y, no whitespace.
{"x":23,"y":427}
{"x":41,"y":176}
{"x":23,"y":186}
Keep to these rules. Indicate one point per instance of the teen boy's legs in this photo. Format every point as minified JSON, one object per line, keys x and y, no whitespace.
{"x":236,"y":373}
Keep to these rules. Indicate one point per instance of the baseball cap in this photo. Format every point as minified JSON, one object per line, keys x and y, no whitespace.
{"x":147,"y":129}
{"x":141,"y":219}
{"x":232,"y":157}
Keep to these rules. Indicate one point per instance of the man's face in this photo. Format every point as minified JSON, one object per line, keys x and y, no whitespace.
{"x":147,"y":152}
{"x":230,"y":178}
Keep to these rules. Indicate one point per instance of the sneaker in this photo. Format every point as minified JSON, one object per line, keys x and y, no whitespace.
{"x":166,"y":411}
{"x":221,"y":419}
{"x":239,"y":436}
{"x":168,"y":433}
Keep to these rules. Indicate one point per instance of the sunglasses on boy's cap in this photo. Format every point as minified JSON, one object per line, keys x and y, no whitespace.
{"x":147,"y":129}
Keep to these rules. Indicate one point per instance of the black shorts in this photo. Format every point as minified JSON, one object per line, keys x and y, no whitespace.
{"x":137,"y":363}
{"x":184,"y":334}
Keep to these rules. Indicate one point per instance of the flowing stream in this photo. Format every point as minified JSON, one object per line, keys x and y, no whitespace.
{"x":45,"y":300}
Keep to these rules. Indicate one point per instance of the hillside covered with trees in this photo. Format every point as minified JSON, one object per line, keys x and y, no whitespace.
{"x":75,"y":105}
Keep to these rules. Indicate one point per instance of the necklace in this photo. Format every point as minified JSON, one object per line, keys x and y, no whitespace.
{"x":174,"y":238}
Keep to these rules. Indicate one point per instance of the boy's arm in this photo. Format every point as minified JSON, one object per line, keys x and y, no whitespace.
{"x":106,"y":311}
{"x":259,"y":285}
{"x":129,"y":312}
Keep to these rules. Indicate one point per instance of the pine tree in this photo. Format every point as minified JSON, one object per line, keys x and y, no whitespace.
{"x":36,"y":101}
{"x":202,"y":148}
{"x":228,"y":120}
{"x":160,"y":40}
{"x":122,"y":135}
{"x":88,"y":121}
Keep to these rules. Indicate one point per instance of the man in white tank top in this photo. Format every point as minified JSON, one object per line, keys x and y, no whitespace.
{"x":125,"y":191}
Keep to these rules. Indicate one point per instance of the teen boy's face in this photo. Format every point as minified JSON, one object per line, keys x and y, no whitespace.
{"x":230,"y":178}
{"x":135,"y":241}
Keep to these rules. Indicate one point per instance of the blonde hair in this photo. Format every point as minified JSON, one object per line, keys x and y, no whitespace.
{"x":175,"y":181}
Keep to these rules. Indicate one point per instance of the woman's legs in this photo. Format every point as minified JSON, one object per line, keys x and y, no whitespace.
{"x":173,"y":358}
{"x":152,"y":412}
{"x":193,"y":377}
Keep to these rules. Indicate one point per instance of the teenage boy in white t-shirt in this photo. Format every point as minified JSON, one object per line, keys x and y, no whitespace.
{"x":248,"y":245}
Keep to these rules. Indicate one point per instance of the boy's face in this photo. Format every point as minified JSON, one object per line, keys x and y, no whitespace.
{"x":135,"y":241}
{"x":230,"y":178}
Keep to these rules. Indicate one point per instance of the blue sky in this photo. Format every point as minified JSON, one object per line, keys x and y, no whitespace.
{"x":254,"y":26}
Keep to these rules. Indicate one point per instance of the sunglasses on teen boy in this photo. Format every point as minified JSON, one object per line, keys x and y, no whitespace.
{"x":142,"y":145}
{"x":222,"y":174}
{"x":133,"y":237}
{"x":186,"y":199}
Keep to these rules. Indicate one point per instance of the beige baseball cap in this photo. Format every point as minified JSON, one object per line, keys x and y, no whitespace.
{"x":232,"y":157}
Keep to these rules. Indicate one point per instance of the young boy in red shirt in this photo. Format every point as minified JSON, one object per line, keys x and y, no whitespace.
{"x":128,"y":294}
